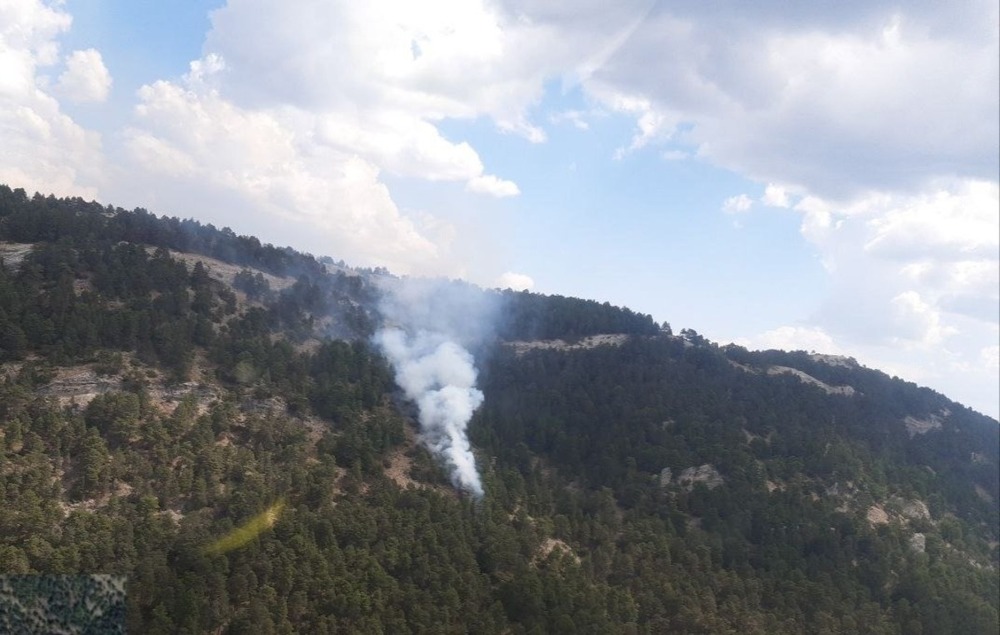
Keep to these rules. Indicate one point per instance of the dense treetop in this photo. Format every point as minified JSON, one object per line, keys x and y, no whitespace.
{"x":652,"y":483}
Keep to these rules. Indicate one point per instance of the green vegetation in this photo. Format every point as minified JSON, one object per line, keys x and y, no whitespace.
{"x":150,"y":406}
{"x":62,"y":604}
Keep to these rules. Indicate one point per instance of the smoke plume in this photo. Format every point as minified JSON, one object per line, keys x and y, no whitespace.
{"x":439,"y":376}
{"x":431,"y":325}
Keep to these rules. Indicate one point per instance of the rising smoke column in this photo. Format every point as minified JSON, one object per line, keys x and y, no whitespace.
{"x":439,"y":376}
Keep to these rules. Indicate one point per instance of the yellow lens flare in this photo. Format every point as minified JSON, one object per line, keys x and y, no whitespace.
{"x":246,"y":532}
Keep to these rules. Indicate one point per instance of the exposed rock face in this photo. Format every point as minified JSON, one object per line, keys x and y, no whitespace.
{"x":610,"y":339}
{"x":706,"y":474}
{"x":79,"y":384}
{"x":743,"y":367}
{"x":805,"y":378}
{"x":834,"y":360}
{"x":877,"y":516}
{"x":918,"y":542}
{"x":665,"y":477}
{"x":225,"y":272}
{"x":916,"y":426}
{"x":898,"y":510}
{"x":915,"y":510}
{"x":553,"y":544}
{"x":13,"y":253}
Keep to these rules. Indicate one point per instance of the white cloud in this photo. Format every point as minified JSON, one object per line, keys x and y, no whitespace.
{"x":44,"y":150}
{"x":489,"y":184}
{"x":737,"y":204}
{"x":371,"y":82}
{"x":652,"y":125}
{"x":914,"y":283}
{"x":85,"y":78}
{"x":791,"y":338}
{"x":942,"y":244}
{"x":918,"y":323}
{"x":990,"y":357}
{"x":400,"y":143}
{"x":515,"y":281}
{"x":775,"y":196}
{"x":443,"y":59}
{"x":833,"y":102}
{"x":158,"y":155}
{"x":269,"y":162}
{"x":956,"y":221}
{"x":29,"y":28}
{"x":969,"y":380}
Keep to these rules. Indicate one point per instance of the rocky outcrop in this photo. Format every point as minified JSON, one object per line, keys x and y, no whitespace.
{"x":805,"y":378}
{"x":877,"y":516}
{"x":79,"y":385}
{"x":13,"y":253}
{"x":915,"y":510}
{"x":898,"y":510}
{"x":834,"y":360}
{"x":592,"y":341}
{"x":706,"y":474}
{"x":666,"y":475}
{"x":916,"y":426}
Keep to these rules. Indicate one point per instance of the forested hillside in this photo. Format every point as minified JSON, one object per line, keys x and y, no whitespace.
{"x":163,"y":382}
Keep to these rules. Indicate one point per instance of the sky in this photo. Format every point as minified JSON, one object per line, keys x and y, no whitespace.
{"x":819,"y":176}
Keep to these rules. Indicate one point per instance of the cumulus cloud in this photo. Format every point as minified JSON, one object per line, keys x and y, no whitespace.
{"x":943,"y":244}
{"x":914,"y":285}
{"x":289,"y":106}
{"x":43,"y":148}
{"x":380,"y":76}
{"x":269,"y":160}
{"x":822,"y":100}
{"x":515,"y":281}
{"x":775,"y":196}
{"x":956,"y":222}
{"x":85,"y":78}
{"x":917,"y":322}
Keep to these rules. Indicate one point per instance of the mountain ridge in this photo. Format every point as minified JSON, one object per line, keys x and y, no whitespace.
{"x":155,"y":397}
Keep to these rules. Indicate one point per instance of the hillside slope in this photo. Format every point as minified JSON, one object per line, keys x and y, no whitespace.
{"x":163,"y":383}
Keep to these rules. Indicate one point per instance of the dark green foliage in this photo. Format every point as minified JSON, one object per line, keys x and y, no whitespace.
{"x":804,"y":555}
{"x":254,"y":285}
{"x":62,"y":604}
{"x":529,"y":316}
{"x":214,"y":403}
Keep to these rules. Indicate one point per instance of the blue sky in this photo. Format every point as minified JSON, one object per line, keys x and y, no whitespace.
{"x":641,"y":230}
{"x":821,"y":178}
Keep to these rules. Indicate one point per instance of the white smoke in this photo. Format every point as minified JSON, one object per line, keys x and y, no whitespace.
{"x":433,"y":365}
{"x":439,"y":376}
